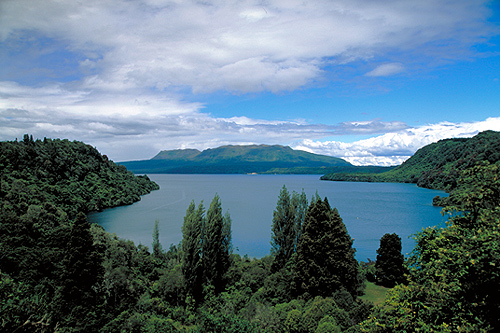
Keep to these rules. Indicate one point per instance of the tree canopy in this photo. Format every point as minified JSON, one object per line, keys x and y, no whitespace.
{"x":389,"y":267}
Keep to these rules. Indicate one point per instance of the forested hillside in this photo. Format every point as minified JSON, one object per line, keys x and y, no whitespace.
{"x":72,"y":175}
{"x":242,"y":159}
{"x":438,"y":165}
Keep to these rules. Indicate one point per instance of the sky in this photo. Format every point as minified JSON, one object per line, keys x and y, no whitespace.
{"x":369,"y":81}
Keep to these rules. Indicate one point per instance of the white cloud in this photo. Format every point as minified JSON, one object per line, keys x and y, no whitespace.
{"x":395,"y":148}
{"x":136,"y":61}
{"x":242,"y":46}
{"x":386,"y":70}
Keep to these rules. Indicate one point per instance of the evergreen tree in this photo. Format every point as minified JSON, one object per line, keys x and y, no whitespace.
{"x":390,"y":262}
{"x":78,"y":299}
{"x":283,"y":239}
{"x":325,"y":258}
{"x":192,"y":242}
{"x":216,"y":246}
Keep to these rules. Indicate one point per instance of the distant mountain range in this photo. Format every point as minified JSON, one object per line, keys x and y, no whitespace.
{"x":435,"y":166}
{"x":244,"y":159}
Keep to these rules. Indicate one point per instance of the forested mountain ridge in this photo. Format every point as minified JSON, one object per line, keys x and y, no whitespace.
{"x":437,"y":165}
{"x":241,"y":159}
{"x":72,"y":175}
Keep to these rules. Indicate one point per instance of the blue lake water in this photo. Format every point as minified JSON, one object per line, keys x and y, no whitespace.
{"x":369,"y":210}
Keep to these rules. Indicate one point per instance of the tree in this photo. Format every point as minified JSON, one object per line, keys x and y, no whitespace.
{"x":192,"y":247}
{"x":83,"y":272}
{"x":389,"y":266}
{"x":287,"y":223}
{"x":299,"y":202}
{"x":454,"y":277}
{"x":157,"y":248}
{"x":284,"y":233}
{"x":217,"y":246}
{"x":325,"y":259}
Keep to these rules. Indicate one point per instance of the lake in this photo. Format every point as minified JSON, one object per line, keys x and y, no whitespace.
{"x":369,"y":210}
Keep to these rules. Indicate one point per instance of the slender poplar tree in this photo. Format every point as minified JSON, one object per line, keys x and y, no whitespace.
{"x":157,"y":248}
{"x":299,"y":202}
{"x":283,"y":238}
{"x":287,"y":222}
{"x":192,"y":247}
{"x":216,"y":246}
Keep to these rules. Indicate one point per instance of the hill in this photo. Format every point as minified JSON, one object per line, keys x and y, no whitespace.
{"x":71,"y":175}
{"x":438,"y":165}
{"x":241,"y":159}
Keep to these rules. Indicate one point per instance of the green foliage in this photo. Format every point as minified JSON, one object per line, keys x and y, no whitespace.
{"x":82,"y":273}
{"x":287,"y":223}
{"x":325,"y":258}
{"x":21,"y":309}
{"x":157,"y":248}
{"x":438,"y":165}
{"x":71,"y":175}
{"x":454,"y":276}
{"x":192,"y":249}
{"x":57,"y":273}
{"x":217,"y":246}
{"x":389,"y":268}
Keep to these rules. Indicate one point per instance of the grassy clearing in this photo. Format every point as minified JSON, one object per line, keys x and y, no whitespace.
{"x":375,"y":293}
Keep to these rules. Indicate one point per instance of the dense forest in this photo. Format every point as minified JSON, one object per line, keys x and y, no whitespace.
{"x":58,"y":273}
{"x":72,"y":175}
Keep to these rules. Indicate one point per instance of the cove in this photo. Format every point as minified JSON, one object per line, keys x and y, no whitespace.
{"x":369,"y":210}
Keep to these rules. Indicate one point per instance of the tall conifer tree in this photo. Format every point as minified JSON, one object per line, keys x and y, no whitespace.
{"x":325,"y":257}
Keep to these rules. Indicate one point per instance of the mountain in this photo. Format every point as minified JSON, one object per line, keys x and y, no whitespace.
{"x":240,"y":159}
{"x":438,"y":165}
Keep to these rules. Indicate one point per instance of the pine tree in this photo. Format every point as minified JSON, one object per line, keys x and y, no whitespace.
{"x":390,"y":267}
{"x":192,"y":242}
{"x":216,"y":246}
{"x":325,"y":259}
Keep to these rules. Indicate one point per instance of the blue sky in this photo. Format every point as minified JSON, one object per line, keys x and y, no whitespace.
{"x":367,"y":81}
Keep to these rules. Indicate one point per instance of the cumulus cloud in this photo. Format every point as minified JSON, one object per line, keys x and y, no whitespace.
{"x":243,"y":46}
{"x":394,"y":148}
